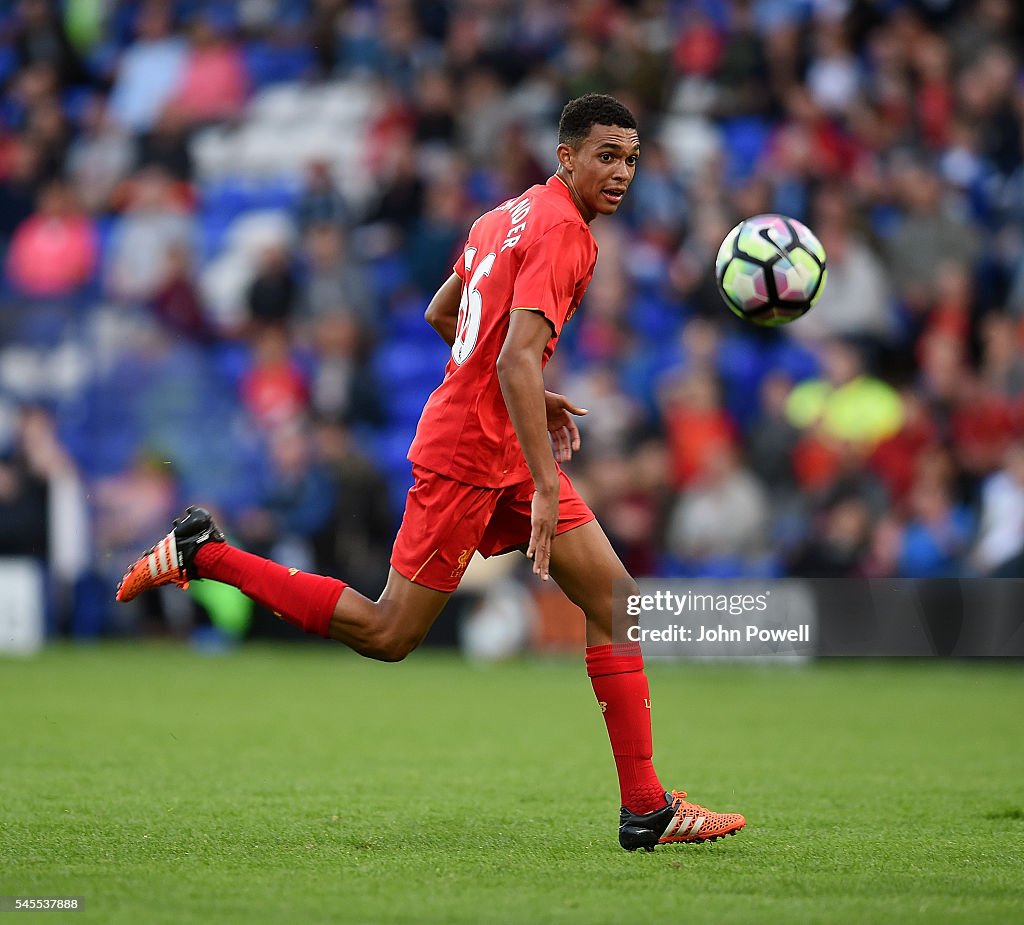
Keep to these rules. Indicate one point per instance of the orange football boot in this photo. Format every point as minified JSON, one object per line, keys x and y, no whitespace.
{"x":677,"y":821}
{"x":169,"y":562}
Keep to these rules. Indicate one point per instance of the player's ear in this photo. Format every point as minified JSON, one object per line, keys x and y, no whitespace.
{"x":566,"y":156}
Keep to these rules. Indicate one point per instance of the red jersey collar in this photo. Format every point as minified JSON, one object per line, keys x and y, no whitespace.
{"x":556,"y":183}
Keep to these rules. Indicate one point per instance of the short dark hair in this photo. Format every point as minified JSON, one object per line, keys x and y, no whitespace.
{"x":589,"y":110}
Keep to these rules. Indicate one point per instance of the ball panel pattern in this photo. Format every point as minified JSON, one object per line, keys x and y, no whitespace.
{"x":770,"y":269}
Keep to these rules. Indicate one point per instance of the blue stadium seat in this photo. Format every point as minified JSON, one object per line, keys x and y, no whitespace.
{"x":744,"y":140}
{"x":8,"y":61}
{"x":268,"y":63}
{"x":653,"y":318}
{"x":388,"y":275}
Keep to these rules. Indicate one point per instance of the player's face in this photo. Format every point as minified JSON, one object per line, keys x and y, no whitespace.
{"x":600,"y":170}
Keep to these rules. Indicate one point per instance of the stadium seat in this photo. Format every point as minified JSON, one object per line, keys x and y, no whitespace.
{"x":744,"y":139}
{"x":268,"y":63}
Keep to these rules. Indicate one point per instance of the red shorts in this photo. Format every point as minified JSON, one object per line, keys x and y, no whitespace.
{"x":445,"y":521}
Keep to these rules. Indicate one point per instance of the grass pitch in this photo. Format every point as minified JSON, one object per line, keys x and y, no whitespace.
{"x":304,"y":784}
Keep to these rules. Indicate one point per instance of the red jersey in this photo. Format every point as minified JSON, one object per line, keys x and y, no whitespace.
{"x":533,"y":252}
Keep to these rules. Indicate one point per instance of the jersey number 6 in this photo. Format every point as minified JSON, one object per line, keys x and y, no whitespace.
{"x":467,"y":329}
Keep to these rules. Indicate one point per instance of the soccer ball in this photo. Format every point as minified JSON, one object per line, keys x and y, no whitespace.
{"x":770,"y":269}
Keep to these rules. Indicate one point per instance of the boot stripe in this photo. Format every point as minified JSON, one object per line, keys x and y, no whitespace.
{"x":678,"y":825}
{"x":162,"y":559}
{"x":173,"y":561}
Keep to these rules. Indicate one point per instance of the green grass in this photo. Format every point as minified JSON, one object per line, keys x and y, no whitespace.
{"x":305,"y":784}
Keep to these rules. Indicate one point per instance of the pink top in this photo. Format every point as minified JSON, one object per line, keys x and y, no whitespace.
{"x":52,"y":256}
{"x":214,"y":85}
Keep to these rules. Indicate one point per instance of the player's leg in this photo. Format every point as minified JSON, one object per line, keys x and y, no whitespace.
{"x":443,"y":522}
{"x":587,"y":569}
{"x":389,"y":628}
{"x":386,"y":629}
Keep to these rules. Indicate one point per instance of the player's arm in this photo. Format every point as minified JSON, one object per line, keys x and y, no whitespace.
{"x":520,"y":374}
{"x":442,"y":313}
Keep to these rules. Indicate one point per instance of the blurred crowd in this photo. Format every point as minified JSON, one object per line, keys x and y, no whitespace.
{"x":220,"y":223}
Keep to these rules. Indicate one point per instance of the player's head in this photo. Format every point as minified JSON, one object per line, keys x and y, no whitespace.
{"x":598,"y":147}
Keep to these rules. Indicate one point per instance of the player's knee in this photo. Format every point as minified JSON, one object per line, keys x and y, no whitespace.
{"x":390,"y":646}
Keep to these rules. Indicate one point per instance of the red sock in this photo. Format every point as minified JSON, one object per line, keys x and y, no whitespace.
{"x":617,"y":673}
{"x":304,"y":600}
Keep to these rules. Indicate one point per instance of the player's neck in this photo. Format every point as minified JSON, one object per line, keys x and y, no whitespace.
{"x":585,"y":214}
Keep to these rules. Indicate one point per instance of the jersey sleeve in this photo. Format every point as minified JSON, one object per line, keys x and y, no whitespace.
{"x":549,"y":276}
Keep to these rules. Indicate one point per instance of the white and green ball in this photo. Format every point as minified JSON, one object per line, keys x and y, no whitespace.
{"x":770,"y":269}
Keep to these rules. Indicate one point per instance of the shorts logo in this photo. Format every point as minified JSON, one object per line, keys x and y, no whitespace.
{"x":462,"y":562}
{"x":603,"y":704}
{"x":293,"y":571}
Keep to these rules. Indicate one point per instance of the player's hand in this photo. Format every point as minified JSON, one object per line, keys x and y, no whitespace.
{"x":565,"y":435}
{"x":543,"y":522}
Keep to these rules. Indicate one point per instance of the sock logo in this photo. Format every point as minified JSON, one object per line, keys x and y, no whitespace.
{"x":603,"y":704}
{"x":647,"y":702}
{"x":293,"y":571}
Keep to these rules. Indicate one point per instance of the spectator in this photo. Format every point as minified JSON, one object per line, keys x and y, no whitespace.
{"x":1001,"y":528}
{"x":127,"y":506}
{"x":857,"y":301}
{"x":1002,"y":366}
{"x":177,"y":303}
{"x":48,"y":127}
{"x":295,"y":500}
{"x":845,"y":404}
{"x":742,"y":70}
{"x":833,"y":76}
{"x":615,"y":419}
{"x":698,"y":428}
{"x":214,"y":83}
{"x":165,"y":146}
{"x":19,"y":185}
{"x":150,"y":70}
{"x":895,"y":458}
{"x":937,"y":534}
{"x":24,"y":497}
{"x":274,"y":390}
{"x":334,"y":277}
{"x":40,"y":39}
{"x":435,"y":124}
{"x":54,"y":251}
{"x":100,"y":158}
{"x":400,"y":197}
{"x":152,"y":225}
{"x":838,"y":545}
{"x":692,"y":271}
{"x":343,"y":386}
{"x":720,"y":521}
{"x":357,"y":538}
{"x":981,"y":428}
{"x":320,"y":202}
{"x":927,"y":236}
{"x":437,"y":237}
{"x":271,"y":296}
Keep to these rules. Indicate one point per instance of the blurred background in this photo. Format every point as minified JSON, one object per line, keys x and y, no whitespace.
{"x":220,"y":223}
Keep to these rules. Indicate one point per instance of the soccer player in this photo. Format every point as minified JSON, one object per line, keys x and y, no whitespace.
{"x":485,"y":463}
